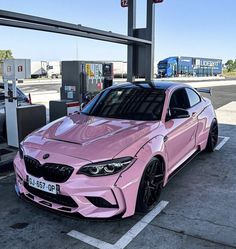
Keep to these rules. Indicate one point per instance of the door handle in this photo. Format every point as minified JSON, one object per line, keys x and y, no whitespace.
{"x":165,"y":138}
{"x":194,"y":114}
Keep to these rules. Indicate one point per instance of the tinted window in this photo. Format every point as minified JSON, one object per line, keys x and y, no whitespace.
{"x":127,"y":103}
{"x":193,"y":97}
{"x":179,"y":99}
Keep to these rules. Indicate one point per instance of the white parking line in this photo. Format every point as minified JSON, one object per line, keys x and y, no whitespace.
{"x":125,"y":239}
{"x":90,"y":240}
{"x":3,"y":177}
{"x":137,"y":228}
{"x":222,"y":143}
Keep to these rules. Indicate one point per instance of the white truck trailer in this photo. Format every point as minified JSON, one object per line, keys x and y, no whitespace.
{"x":38,"y":69}
{"x":120,"y":69}
{"x":54,"y":69}
{"x":48,"y":69}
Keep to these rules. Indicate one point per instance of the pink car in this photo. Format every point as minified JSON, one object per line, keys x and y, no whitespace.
{"x":116,"y":155}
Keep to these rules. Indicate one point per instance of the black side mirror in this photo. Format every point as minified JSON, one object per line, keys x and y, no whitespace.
{"x":177,"y":113}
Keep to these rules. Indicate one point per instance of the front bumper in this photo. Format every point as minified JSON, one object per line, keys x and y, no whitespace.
{"x":91,"y":197}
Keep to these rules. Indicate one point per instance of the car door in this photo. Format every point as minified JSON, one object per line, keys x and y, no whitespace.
{"x":181,"y":136}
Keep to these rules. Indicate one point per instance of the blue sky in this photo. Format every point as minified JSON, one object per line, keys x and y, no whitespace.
{"x":202,"y":28}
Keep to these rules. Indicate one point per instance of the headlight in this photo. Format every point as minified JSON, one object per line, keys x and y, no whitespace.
{"x":106,"y":167}
{"x":21,"y":151}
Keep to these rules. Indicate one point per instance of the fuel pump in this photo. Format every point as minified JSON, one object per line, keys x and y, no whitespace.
{"x":20,"y":120}
{"x":10,"y":104}
{"x":107,"y":69}
{"x":81,"y":81}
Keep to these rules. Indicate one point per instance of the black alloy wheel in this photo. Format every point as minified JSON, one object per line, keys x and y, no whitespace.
{"x":150,"y":186}
{"x":213,"y":137}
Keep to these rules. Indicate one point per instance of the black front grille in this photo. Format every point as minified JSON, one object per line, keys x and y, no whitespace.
{"x":32,"y":166}
{"x":49,"y":171}
{"x":58,"y":199}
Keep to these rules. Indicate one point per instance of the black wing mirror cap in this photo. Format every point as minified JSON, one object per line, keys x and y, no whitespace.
{"x":178,"y":113}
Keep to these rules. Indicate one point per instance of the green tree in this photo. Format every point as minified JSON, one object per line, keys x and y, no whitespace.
{"x":5,"y":54}
{"x":234,"y":65}
{"x":230,"y":65}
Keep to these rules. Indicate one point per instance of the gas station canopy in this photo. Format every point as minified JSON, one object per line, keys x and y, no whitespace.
{"x":19,"y":20}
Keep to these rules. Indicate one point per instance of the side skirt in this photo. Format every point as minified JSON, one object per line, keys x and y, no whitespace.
{"x":184,"y":164}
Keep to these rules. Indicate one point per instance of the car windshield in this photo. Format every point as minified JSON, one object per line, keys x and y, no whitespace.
{"x":133,"y":103}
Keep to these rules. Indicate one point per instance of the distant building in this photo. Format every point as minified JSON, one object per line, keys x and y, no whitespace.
{"x":19,"y":68}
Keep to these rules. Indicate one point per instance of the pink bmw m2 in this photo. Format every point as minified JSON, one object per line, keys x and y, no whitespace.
{"x":115,"y":156}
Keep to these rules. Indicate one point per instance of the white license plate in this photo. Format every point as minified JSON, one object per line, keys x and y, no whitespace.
{"x":43,"y":185}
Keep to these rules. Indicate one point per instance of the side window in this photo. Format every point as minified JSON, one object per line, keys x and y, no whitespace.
{"x":179,"y":99}
{"x":193,"y":97}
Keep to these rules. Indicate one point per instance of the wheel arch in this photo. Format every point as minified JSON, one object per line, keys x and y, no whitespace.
{"x":161,"y":158}
{"x":205,"y":119}
{"x":129,"y":185}
{"x":165,"y":167}
{"x":155,"y":148}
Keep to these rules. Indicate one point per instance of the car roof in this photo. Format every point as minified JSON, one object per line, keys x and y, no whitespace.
{"x":161,"y":85}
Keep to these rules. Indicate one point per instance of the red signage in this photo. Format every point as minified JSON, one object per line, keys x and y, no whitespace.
{"x":20,"y":68}
{"x":124,"y":3}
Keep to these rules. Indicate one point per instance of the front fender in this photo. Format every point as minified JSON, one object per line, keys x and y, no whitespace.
{"x":154,"y":147}
{"x":129,"y":180}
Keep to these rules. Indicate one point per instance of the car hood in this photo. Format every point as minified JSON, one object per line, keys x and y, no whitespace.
{"x":91,"y":138}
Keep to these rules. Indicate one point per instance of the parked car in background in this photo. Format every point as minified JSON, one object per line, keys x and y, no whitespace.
{"x":116,"y":155}
{"x":22,"y":100}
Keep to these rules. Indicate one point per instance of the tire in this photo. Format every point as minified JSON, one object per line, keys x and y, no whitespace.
{"x":150,"y":186}
{"x":212,"y":137}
